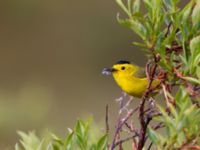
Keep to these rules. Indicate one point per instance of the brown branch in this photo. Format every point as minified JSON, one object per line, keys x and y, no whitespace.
{"x":144,"y":123}
{"x":158,"y":126}
{"x":106,"y":119}
{"x":131,"y":128}
{"x":121,"y":122}
{"x":174,"y":48}
{"x":134,"y":145}
{"x":192,"y":89}
{"x":192,"y":145}
{"x":107,"y":125}
{"x":125,"y":139}
{"x":150,"y":145}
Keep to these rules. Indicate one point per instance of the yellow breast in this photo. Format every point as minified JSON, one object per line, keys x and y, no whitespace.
{"x":132,"y":85}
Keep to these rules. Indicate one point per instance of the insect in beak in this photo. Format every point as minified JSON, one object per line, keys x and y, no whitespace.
{"x":108,"y":71}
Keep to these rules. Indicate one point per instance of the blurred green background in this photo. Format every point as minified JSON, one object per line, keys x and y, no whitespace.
{"x":52,"y":55}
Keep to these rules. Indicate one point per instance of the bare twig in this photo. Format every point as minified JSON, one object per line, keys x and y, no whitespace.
{"x":150,"y":145}
{"x":192,"y":89}
{"x":174,"y":48}
{"x":106,"y":119}
{"x":107,"y":125}
{"x":132,"y":128}
{"x":158,"y":126}
{"x":125,"y":139}
{"x":121,"y":122}
{"x":192,"y":145}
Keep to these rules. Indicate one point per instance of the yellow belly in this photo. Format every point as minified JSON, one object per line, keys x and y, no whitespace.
{"x":135,"y":88}
{"x":132,"y":85}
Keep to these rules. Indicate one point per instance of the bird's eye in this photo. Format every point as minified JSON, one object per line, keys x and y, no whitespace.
{"x":123,"y":68}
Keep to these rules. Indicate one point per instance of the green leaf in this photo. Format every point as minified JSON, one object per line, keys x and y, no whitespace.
{"x":93,"y":147}
{"x":49,"y":147}
{"x":81,"y":141}
{"x":42,"y":145}
{"x":149,"y":6}
{"x":56,"y":147}
{"x":135,"y":25}
{"x":29,"y":141}
{"x":167,"y":120}
{"x":195,"y":45}
{"x":139,"y":44}
{"x":196,"y":14}
{"x":123,"y":7}
{"x":183,"y":59}
{"x":197,"y":60}
{"x":163,"y":63}
{"x":198,"y":72}
{"x":17,"y":147}
{"x":173,"y":110}
{"x":102,"y":143}
{"x":56,"y":138}
{"x":170,"y":4}
{"x":193,"y":80}
{"x":136,"y":6}
{"x":185,"y":12}
{"x":129,"y":3}
{"x":81,"y":131}
{"x":195,"y":52}
{"x":184,"y":20}
{"x":181,"y":94}
{"x":153,"y":136}
{"x":139,"y":29}
{"x":68,"y":141}
{"x":80,"y":128}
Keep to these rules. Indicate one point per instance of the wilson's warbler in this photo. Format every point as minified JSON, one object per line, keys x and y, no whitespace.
{"x":130,"y":78}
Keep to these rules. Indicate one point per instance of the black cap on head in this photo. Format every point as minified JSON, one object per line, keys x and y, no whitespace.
{"x":123,"y":62}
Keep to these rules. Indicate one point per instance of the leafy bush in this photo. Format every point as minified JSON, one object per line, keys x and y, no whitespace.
{"x":171,"y":37}
{"x":79,"y":138}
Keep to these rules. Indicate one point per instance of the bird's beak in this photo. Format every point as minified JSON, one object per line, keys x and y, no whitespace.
{"x":108,"y":71}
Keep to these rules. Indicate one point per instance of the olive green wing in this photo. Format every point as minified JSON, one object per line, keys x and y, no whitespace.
{"x":140,"y":73}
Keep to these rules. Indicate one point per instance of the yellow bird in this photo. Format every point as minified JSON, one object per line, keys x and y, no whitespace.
{"x":130,"y":78}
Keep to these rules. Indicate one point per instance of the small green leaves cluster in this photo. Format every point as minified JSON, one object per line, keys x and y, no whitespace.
{"x":164,"y":25}
{"x":79,"y":138}
{"x":182,"y":126}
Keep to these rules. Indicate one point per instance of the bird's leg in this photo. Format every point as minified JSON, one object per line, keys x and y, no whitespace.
{"x":121,"y":101}
{"x":129,"y":101}
{"x":128,"y":104}
{"x":123,"y":95}
{"x":124,"y":105}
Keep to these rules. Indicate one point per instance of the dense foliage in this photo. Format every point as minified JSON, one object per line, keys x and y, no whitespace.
{"x":171,"y":37}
